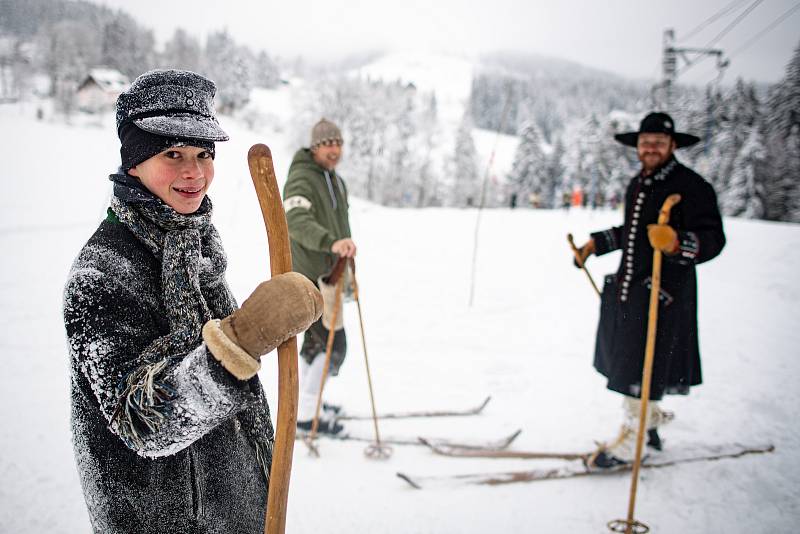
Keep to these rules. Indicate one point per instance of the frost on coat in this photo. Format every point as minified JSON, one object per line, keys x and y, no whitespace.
{"x":190,"y":466}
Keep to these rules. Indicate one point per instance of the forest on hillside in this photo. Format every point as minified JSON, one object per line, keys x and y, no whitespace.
{"x":403,"y":152}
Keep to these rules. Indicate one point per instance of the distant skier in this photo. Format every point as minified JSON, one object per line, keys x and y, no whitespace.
{"x":171,"y":428}
{"x":315,"y":199}
{"x":693,"y":235}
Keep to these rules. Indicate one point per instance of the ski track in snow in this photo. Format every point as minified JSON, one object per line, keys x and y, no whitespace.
{"x":528,"y":341}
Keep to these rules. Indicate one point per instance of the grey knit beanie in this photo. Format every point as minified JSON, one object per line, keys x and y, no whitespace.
{"x":325,"y":131}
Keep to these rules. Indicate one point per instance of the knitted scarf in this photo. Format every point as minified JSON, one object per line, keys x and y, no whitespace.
{"x":193,"y":267}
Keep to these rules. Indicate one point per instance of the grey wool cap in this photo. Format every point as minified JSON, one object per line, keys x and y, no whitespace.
{"x":325,"y":131}
{"x":171,"y":103}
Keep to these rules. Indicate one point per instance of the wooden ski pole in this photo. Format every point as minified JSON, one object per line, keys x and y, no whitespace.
{"x":259,"y":160}
{"x":630,"y":525}
{"x":309,"y":440}
{"x":377,"y":449}
{"x":580,"y":262}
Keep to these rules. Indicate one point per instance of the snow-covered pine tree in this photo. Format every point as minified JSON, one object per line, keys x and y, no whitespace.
{"x":362,"y":132}
{"x":182,"y":51}
{"x":494,"y":102}
{"x":554,"y":175}
{"x":529,"y":170}
{"x":266,"y":71}
{"x":428,"y":134}
{"x":399,"y":190}
{"x":734,"y":118}
{"x":466,"y":180}
{"x":792,"y":159}
{"x":231,"y":67}
{"x":702,"y":118}
{"x":612,"y":163}
{"x":783,"y":145}
{"x":744,"y":195}
{"x":126,"y":46}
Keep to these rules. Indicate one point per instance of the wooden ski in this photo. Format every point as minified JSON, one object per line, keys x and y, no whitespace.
{"x":489,"y":445}
{"x":687,"y":454}
{"x":475,"y":410}
{"x":457,"y":451}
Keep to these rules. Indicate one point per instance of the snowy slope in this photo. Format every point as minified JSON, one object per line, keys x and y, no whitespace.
{"x":527,"y":341}
{"x":449,"y":77}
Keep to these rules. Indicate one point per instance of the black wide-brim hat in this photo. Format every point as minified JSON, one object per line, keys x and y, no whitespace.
{"x":171,"y":103}
{"x":658,"y":123}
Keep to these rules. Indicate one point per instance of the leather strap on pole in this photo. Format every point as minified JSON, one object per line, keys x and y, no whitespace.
{"x":581,"y":264}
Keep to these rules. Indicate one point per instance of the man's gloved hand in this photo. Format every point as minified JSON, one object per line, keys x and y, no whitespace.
{"x":663,"y":237}
{"x":277,"y":310}
{"x":584,"y":252}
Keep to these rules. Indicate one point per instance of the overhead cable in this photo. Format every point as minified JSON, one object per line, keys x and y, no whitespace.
{"x":721,"y":34}
{"x":771,"y":26}
{"x":766,"y":30}
{"x":721,"y":13}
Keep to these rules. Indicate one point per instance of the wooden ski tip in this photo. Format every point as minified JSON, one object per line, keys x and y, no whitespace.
{"x":408,"y":479}
{"x":483,"y":405}
{"x":514,"y":436}
{"x":570,"y":238}
{"x":432,"y":446}
{"x":259,"y":150}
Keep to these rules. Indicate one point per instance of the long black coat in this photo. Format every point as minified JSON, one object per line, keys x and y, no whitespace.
{"x":199,"y":472}
{"x":622,"y":331}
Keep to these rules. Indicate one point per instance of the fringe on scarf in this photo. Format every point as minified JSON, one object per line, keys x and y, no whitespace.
{"x":144,"y":404}
{"x":264,"y":457}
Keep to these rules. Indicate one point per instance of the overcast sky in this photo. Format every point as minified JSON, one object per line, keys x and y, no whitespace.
{"x":621,"y":36}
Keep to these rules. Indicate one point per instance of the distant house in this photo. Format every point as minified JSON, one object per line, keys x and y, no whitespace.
{"x":100,"y":89}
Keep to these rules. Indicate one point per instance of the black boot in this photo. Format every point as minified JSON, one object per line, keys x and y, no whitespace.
{"x":606,"y":460}
{"x":654,"y":440}
{"x":335,"y":409}
{"x":332,"y":428}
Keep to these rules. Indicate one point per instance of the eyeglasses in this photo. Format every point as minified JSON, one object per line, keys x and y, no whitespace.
{"x":332,"y":142}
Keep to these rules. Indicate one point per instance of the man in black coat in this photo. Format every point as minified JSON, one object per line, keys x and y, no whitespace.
{"x":694,"y":235}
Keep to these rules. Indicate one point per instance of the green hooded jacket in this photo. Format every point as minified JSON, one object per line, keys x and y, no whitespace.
{"x":316,"y":210}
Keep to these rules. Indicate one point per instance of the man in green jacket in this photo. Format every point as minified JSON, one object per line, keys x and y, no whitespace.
{"x":315,"y":199}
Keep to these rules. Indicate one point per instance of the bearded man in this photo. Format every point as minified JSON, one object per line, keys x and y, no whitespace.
{"x":694,"y":235}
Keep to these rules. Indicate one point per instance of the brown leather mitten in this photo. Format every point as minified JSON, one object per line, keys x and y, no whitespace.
{"x":663,"y":237}
{"x":277,"y":310}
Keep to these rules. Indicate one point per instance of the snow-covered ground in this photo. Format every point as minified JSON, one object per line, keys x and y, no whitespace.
{"x":527,"y":341}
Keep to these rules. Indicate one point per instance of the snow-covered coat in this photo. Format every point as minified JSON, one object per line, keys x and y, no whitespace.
{"x":621,"y":333}
{"x":165,"y":439}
